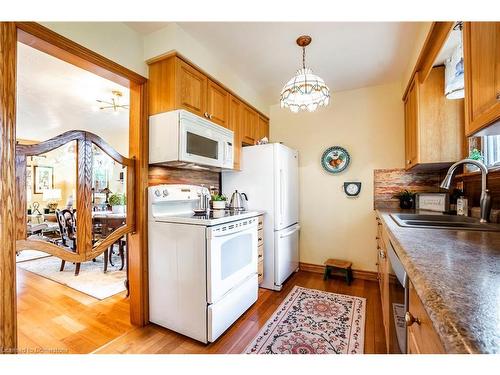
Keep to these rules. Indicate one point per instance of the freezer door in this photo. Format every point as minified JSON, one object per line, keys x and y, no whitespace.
{"x":286,"y":253}
{"x":287,"y":187}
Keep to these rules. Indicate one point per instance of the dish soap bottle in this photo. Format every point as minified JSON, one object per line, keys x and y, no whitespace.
{"x":462,"y":206}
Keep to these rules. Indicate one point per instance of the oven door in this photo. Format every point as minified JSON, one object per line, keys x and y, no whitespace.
{"x":231,"y":256}
{"x":200,"y":142}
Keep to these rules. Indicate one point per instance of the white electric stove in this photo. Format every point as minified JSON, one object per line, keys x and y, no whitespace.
{"x":202,"y":268}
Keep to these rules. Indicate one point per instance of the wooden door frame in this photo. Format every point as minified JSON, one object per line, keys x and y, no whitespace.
{"x":46,"y":40}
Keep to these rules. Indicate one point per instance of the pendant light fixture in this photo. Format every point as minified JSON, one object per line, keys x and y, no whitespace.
{"x":305,"y":91}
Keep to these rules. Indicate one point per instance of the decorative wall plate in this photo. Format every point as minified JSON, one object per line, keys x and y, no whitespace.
{"x":335,"y":159}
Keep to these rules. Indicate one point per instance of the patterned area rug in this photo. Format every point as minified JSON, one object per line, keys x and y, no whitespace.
{"x":311,"y":321}
{"x":91,"y":280}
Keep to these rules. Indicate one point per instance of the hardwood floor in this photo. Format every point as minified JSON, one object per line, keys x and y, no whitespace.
{"x":155,"y":339}
{"x":53,"y":318}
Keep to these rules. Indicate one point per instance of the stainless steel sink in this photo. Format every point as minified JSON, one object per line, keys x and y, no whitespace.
{"x":443,"y":222}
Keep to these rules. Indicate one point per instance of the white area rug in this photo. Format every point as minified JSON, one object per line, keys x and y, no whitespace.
{"x":30,"y":255}
{"x":91,"y":280}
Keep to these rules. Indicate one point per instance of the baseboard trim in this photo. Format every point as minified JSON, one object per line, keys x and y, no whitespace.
{"x":357,"y":274}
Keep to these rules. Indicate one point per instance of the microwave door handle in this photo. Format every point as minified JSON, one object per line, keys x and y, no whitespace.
{"x":289,"y":233}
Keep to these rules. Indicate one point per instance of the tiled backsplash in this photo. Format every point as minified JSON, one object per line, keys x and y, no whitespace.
{"x":388,"y":182}
{"x":167,"y":175}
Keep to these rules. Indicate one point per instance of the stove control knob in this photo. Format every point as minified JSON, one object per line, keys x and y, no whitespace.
{"x":165,"y":192}
{"x":157,"y":193}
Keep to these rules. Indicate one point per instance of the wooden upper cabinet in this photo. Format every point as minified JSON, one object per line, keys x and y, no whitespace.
{"x":191,"y":88}
{"x":235,"y":124}
{"x":434,"y":125}
{"x":482,"y":74}
{"x":250,"y":125}
{"x":217,"y":104}
{"x":174,"y":84}
{"x":263,"y":128}
{"x":411,"y":120}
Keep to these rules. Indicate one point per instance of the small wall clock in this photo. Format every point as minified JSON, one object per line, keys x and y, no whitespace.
{"x":335,"y":159}
{"x":352,"y":189}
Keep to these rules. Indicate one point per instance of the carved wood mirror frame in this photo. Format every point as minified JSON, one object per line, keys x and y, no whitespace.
{"x":86,"y":250}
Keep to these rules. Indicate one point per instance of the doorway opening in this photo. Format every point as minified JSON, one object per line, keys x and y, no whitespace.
{"x":100,"y":168}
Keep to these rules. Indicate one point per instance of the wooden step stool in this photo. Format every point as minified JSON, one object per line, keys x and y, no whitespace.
{"x":339,"y":265}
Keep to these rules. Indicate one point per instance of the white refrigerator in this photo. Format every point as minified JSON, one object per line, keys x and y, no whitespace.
{"x":269,"y":177}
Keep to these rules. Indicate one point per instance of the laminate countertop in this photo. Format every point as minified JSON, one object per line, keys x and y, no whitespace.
{"x":456,"y":274}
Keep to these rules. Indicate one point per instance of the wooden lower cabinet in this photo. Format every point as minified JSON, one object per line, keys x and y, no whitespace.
{"x":383,"y":279}
{"x":260,"y":244}
{"x":421,"y":336}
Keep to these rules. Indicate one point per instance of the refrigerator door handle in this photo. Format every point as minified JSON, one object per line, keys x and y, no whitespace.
{"x":289,"y":233}
{"x":282,"y":196}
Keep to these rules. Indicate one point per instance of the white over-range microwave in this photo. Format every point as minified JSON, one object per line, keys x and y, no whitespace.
{"x":184,"y":140}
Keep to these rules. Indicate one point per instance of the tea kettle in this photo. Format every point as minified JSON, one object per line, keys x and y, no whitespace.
{"x":238,"y":201}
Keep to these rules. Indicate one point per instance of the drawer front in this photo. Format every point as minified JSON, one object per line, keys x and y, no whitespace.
{"x":261,"y":222}
{"x":260,"y":271}
{"x":260,"y":237}
{"x":422,"y":338}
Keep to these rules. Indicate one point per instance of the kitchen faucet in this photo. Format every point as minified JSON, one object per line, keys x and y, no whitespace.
{"x":485,"y":201}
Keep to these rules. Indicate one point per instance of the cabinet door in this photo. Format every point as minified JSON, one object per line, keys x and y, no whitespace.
{"x":482,"y":74}
{"x":263,"y":130}
{"x":191,"y":88}
{"x":411,"y":125}
{"x":217,"y":104}
{"x":235,"y":124}
{"x":250,"y":125}
{"x":422,"y":338}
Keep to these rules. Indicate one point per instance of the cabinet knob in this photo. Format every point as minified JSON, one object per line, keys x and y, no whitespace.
{"x":377,"y":238}
{"x":205,"y":114}
{"x":410,"y":319}
{"x":498,"y":96}
{"x":210,"y":117}
{"x":408,"y":161}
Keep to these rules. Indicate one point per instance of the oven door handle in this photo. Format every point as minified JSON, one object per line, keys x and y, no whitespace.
{"x":231,"y":233}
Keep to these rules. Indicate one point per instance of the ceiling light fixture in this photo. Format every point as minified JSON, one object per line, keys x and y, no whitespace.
{"x":305,"y":91}
{"x":114,"y":103}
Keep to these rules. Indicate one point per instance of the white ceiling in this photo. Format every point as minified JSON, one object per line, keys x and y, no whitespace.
{"x":54,"y":96}
{"x":347,"y":55}
{"x":145,"y":28}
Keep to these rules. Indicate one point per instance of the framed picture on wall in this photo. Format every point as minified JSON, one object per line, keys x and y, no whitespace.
{"x":44,"y":178}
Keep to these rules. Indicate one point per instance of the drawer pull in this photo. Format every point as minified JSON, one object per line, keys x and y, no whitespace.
{"x":498,"y":96}
{"x":410,"y":319}
{"x":260,"y":238}
{"x":260,"y":255}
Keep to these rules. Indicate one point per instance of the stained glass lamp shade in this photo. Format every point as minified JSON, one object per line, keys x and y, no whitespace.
{"x":305,"y":91}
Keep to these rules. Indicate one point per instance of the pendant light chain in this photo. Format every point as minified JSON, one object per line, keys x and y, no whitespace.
{"x":304,"y":57}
